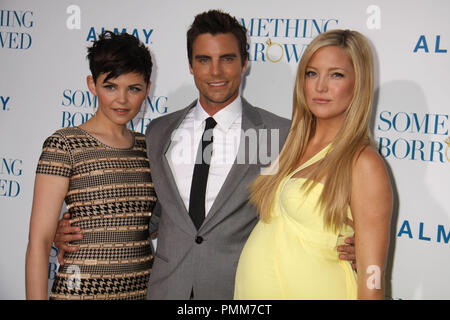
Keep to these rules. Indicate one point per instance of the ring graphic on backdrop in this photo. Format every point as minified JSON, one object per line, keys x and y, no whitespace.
{"x":74,"y":279}
{"x":274,"y":45}
{"x":447,"y":141}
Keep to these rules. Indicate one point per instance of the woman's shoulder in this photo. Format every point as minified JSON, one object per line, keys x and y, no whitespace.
{"x":56,"y":156}
{"x":69,"y":138}
{"x":59,"y":135}
{"x":368,"y":159}
{"x":369,"y":166}
{"x":372,"y":195}
{"x":66,"y":133}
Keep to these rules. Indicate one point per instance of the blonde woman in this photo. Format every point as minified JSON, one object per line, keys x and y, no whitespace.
{"x":330,"y":183}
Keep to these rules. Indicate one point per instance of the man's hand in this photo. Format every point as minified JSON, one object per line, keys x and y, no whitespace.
{"x":348,"y":251}
{"x":64,"y":234}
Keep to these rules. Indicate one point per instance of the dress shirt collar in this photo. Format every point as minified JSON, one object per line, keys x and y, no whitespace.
{"x":224,"y":118}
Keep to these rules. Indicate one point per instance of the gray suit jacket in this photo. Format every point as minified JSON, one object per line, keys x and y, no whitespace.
{"x":203,"y":260}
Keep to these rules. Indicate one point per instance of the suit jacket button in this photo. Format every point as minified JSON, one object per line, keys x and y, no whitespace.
{"x":199,"y":239}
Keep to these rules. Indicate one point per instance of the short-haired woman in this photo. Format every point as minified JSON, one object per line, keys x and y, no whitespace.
{"x":100,"y":169}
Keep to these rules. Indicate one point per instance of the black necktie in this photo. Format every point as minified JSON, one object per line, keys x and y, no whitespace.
{"x":200,"y":175}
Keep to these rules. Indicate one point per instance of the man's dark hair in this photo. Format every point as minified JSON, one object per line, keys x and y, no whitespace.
{"x":117,"y":54}
{"x":217,"y":22}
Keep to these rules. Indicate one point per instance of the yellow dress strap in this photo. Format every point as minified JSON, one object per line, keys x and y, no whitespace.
{"x":318,"y":156}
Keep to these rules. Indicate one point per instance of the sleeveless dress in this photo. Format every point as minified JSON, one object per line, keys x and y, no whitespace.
{"x":111,"y":198}
{"x":294,"y":256}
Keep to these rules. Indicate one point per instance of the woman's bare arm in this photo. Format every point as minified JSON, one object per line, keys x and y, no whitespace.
{"x":49,"y":193}
{"x":371,"y":205}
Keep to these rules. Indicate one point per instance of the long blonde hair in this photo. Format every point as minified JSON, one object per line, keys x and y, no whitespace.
{"x":336,"y":168}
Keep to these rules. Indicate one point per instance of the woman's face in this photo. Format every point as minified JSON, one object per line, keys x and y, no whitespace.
{"x":329,"y":83}
{"x":119,"y":99}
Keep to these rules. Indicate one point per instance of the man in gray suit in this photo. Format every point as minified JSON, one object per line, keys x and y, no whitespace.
{"x":203,"y":223}
{"x":200,"y":261}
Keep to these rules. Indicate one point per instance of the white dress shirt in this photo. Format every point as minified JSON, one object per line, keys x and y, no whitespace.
{"x":182,"y":151}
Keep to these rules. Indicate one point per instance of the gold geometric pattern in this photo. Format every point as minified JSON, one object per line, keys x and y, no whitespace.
{"x":102,"y":172}
{"x":133,"y":295}
{"x":103,"y":276}
{"x":114,"y":245}
{"x":111,"y":198}
{"x":121,"y":228}
{"x":93,"y":262}
{"x":111,"y":186}
{"x":118,"y":215}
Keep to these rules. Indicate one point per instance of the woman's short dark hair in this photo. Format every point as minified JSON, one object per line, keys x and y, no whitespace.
{"x":117,"y":54}
{"x":217,"y":22}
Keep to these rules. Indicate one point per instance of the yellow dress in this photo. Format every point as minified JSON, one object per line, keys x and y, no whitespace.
{"x":294,"y":256}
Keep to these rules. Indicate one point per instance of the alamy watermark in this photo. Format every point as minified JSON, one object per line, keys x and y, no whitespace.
{"x":374,"y":280}
{"x":74,"y":280}
{"x":252,"y":146}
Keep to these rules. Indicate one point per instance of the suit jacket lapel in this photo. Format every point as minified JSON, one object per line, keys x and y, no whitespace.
{"x":183,"y":216}
{"x":250,"y":120}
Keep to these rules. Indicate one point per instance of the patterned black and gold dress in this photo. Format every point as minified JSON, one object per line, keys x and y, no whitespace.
{"x":111,"y":198}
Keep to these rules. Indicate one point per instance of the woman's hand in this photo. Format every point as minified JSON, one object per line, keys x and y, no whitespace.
{"x":348,"y":251}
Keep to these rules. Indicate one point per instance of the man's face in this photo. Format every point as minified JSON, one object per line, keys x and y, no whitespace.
{"x":217,"y":69}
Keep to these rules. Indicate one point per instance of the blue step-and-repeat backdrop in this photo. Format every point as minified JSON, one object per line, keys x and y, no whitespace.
{"x":43,"y":73}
